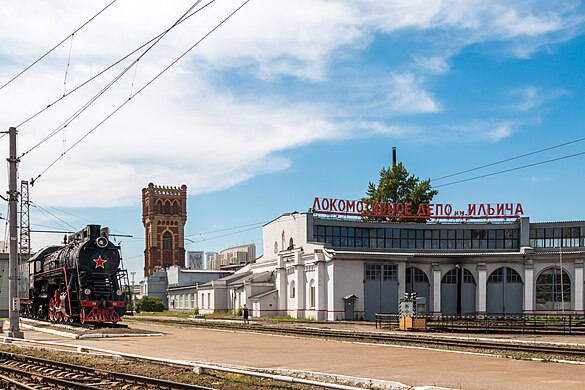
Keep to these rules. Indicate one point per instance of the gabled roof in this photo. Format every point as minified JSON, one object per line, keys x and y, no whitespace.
{"x":228,"y":280}
{"x":264,"y":294}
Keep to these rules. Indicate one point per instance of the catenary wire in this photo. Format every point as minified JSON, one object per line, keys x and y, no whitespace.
{"x":226,"y":229}
{"x":56,"y":46}
{"x":108,"y":86}
{"x":511,"y":169}
{"x":139,"y":91}
{"x":50,"y":214}
{"x":509,"y":159}
{"x":107,"y":69}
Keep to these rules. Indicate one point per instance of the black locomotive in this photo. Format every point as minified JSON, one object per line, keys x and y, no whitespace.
{"x":79,"y":281}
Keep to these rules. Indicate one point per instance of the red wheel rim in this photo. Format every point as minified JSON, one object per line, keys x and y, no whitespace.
{"x":51,"y":310}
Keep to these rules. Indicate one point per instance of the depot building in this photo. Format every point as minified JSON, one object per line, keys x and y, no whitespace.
{"x":332,"y":264}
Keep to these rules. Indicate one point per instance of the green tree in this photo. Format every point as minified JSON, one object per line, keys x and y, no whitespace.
{"x":397,"y":185}
{"x":149,"y":303}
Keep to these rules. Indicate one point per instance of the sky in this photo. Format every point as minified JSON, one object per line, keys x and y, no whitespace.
{"x":286,"y":101}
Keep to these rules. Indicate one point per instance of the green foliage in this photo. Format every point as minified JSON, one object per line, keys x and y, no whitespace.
{"x":397,"y":185}
{"x":196,"y":310}
{"x":149,"y":303}
{"x":239,"y":311}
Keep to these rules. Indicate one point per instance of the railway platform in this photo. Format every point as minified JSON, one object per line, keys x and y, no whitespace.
{"x":413,"y":366}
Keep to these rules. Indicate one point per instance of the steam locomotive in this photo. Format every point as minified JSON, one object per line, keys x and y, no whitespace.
{"x":79,"y":281}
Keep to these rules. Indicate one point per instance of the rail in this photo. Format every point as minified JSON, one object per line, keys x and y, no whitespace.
{"x":496,"y":323}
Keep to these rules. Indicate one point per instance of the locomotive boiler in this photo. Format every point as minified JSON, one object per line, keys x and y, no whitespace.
{"x":79,"y":281}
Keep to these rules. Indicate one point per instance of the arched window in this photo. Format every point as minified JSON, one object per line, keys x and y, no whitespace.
{"x":291,"y":244}
{"x":553,"y":290}
{"x":292,"y":289}
{"x":451,"y":277}
{"x":167,"y":241}
{"x":158,"y":207}
{"x":175,"y":208}
{"x":167,"y":207}
{"x":275,"y":247}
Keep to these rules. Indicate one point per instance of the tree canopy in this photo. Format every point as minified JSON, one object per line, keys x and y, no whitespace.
{"x":397,"y":185}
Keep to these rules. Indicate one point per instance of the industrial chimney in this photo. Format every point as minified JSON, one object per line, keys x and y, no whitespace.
{"x":393,"y":156}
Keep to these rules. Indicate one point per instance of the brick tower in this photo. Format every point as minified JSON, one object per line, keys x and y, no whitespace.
{"x":164,"y":213}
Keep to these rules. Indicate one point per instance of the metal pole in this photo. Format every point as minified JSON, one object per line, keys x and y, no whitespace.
{"x":13,"y":300}
{"x":562,"y":287}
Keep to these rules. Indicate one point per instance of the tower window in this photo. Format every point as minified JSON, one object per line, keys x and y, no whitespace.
{"x":167,"y":207}
{"x":167,"y":241}
{"x":175,"y":208}
{"x":158,"y":207}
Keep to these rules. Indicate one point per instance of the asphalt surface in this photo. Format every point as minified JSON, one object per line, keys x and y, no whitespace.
{"x":410,"y":366}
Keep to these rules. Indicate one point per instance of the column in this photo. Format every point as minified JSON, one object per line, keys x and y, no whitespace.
{"x":300,"y":286}
{"x":436,"y":306}
{"x":282,"y":287}
{"x":481,"y":289}
{"x":528,"y":286}
{"x":579,"y":285}
{"x":401,"y":280}
{"x":320,"y":287}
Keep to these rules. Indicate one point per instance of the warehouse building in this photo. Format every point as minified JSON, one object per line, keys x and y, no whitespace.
{"x":327,"y":264}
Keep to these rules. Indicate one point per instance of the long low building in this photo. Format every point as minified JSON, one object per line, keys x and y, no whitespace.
{"x":333,"y":268}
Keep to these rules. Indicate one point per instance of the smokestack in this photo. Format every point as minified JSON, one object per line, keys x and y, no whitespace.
{"x":393,"y":156}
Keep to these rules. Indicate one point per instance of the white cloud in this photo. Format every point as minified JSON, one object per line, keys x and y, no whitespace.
{"x":492,"y":131}
{"x":531,"y":97}
{"x":195,"y":125}
{"x":405,"y":95}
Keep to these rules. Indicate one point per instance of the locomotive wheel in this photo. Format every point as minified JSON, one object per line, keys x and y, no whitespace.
{"x":52,"y":311}
{"x":82,"y":315}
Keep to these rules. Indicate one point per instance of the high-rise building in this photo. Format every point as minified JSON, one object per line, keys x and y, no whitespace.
{"x":232,"y":258}
{"x":164,"y":214}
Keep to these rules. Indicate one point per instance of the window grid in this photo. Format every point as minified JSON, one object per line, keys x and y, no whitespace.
{"x":565,"y":237}
{"x":400,"y":238}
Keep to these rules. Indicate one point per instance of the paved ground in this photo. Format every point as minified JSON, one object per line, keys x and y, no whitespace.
{"x":416,"y":367}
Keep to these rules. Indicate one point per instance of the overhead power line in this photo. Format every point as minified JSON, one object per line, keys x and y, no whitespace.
{"x":511,"y":169}
{"x":56,"y":46}
{"x":141,"y":89}
{"x":507,"y":160}
{"x":109,"y":67}
{"x":226,"y":229}
{"x":108,"y":86}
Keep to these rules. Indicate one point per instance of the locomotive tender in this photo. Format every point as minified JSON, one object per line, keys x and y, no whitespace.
{"x":79,"y":281}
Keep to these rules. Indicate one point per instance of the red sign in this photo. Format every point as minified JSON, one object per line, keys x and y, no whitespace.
{"x":361,"y":208}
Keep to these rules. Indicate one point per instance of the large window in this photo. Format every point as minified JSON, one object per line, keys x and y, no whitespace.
{"x":558,"y":237}
{"x":167,"y":241}
{"x":429,"y":239}
{"x":553,"y":290}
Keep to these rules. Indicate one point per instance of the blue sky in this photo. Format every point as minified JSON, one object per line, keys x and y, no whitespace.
{"x":288,"y":101}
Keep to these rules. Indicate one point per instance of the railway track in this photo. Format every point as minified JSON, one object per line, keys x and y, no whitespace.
{"x":27,"y":372}
{"x":408,"y":339}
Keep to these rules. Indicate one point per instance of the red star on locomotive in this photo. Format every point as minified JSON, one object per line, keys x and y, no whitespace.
{"x":99,"y":262}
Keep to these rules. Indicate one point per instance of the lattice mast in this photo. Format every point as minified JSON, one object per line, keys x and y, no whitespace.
{"x":24,"y":247}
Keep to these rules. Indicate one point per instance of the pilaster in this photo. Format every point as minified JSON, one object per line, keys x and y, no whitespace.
{"x":481,"y":288}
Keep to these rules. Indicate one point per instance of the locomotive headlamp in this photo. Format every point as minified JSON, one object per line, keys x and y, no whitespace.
{"x":102,"y":242}
{"x":87,"y":291}
{"x":119,"y":292}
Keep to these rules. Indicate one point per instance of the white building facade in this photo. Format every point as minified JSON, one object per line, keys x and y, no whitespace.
{"x":333,"y":268}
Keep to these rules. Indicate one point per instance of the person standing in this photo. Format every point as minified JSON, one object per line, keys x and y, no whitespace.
{"x":245,"y":314}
